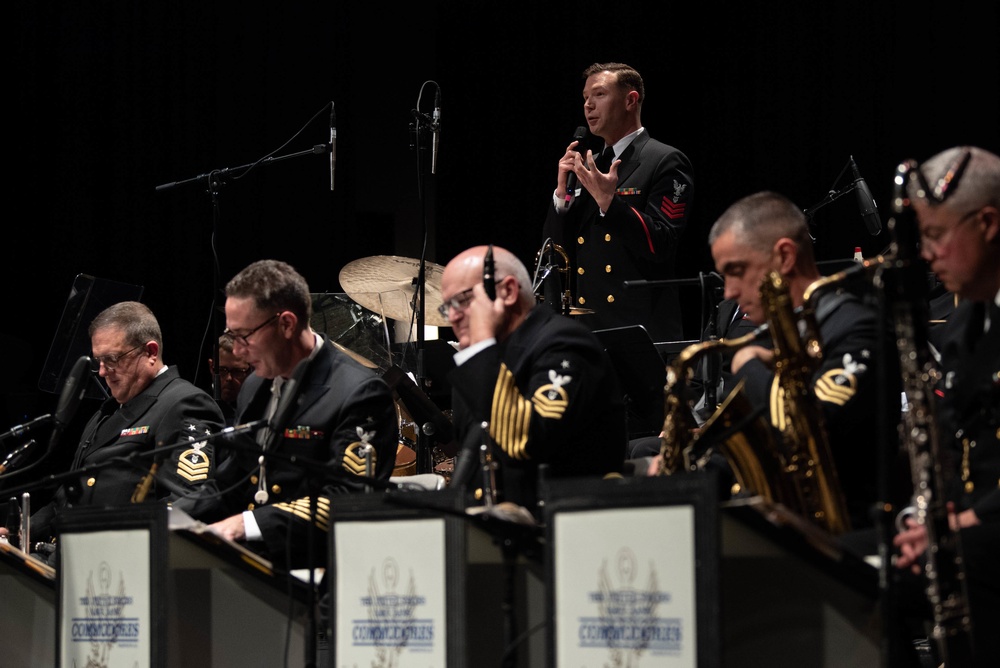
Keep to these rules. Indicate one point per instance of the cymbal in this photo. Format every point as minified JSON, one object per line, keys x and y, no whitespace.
{"x":354,"y":356}
{"x":385,"y":284}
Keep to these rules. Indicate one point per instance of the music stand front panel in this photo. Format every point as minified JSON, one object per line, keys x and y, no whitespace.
{"x":633,"y":570}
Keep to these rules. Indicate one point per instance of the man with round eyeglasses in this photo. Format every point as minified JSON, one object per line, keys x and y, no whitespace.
{"x":342,"y":420}
{"x":150,"y":408}
{"x":957,"y":205}
{"x":541,"y":381}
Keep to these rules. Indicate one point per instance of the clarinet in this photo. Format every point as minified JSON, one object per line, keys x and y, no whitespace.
{"x":904,"y":282}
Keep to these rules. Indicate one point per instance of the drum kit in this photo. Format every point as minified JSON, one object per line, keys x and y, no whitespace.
{"x":378,"y":289}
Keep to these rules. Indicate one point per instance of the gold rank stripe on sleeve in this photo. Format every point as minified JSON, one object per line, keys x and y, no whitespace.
{"x":354,"y":459}
{"x":300,"y":508}
{"x":829,"y":390}
{"x":511,"y":416}
{"x":193,"y":465}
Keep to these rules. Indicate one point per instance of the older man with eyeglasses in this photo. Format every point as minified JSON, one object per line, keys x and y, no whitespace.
{"x":152,"y":415}
{"x":956,"y":199}
{"x":541,"y":383}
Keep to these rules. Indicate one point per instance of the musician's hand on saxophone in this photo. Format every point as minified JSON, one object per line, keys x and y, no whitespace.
{"x":744,"y":355}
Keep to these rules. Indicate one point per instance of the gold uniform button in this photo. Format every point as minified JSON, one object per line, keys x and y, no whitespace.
{"x":581,"y":300}
{"x":91,"y":482}
{"x":579,"y":240}
{"x":276,"y":489}
{"x":580,"y":271}
{"x":249,"y":506}
{"x":611,"y":299}
{"x":253,"y":480}
{"x":607,"y":269}
{"x":607,"y":237}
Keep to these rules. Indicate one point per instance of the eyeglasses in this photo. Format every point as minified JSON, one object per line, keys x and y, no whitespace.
{"x":111,"y":361}
{"x":458,"y":302}
{"x":234,"y":372}
{"x":243,"y":338}
{"x":935,"y":238}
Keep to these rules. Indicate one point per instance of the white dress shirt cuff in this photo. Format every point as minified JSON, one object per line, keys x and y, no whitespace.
{"x":462,"y":355}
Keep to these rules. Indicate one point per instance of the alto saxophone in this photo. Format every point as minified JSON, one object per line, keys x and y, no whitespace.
{"x":681,"y":434}
{"x":797,"y":470}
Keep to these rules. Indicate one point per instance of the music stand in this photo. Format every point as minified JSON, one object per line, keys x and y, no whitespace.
{"x":88,"y":297}
{"x":642,"y":374}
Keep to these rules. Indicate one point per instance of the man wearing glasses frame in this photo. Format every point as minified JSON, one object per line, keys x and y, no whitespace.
{"x":341,"y":411}
{"x":231,"y":374}
{"x":541,"y":381}
{"x":150,"y":408}
{"x":956,"y":199}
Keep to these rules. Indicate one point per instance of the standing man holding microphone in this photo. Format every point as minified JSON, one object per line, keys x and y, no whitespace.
{"x":620,"y":215}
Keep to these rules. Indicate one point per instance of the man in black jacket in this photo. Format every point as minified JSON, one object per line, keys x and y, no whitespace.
{"x":541,"y":383}
{"x":957,"y":204}
{"x":151,"y":407}
{"x":625,"y":220}
{"x":341,"y":424}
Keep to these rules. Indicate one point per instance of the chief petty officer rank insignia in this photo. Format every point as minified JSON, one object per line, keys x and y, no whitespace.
{"x":193,"y":464}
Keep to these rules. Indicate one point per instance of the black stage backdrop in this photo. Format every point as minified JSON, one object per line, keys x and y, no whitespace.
{"x":108,"y":100}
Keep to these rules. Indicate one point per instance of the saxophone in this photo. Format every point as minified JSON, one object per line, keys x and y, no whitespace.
{"x":797,"y":471}
{"x":904,"y":284}
{"x":680,"y":436}
{"x":805,"y":451}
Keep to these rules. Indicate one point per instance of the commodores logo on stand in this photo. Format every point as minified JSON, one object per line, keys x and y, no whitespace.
{"x":626,"y":619}
{"x":103,"y":620}
{"x":393,"y":623}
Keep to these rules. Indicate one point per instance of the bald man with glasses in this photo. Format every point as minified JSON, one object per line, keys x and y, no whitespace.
{"x":541,"y":382}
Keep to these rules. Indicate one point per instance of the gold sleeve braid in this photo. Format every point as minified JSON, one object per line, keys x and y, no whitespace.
{"x":300,"y":508}
{"x":510,"y":416}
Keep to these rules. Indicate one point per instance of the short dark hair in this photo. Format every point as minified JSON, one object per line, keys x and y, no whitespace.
{"x":760,"y":219}
{"x":133,"y":318}
{"x":274,"y":286}
{"x":626,"y":76}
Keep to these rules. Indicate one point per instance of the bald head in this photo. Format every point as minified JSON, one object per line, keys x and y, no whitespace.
{"x":514,"y":290}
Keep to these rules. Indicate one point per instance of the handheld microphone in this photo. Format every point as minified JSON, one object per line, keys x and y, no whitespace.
{"x":489,"y":282}
{"x":866,"y":203}
{"x":69,"y":400}
{"x":436,"y":127}
{"x":580,"y":133}
{"x":333,"y":143}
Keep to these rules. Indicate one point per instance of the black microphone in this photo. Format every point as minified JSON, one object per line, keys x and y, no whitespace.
{"x":436,"y":127}
{"x":869,"y":212}
{"x":333,"y":143}
{"x":489,"y":284}
{"x":288,"y":403}
{"x":580,"y":133}
{"x":69,"y":400}
{"x":14,"y":458}
{"x":17,"y":431}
